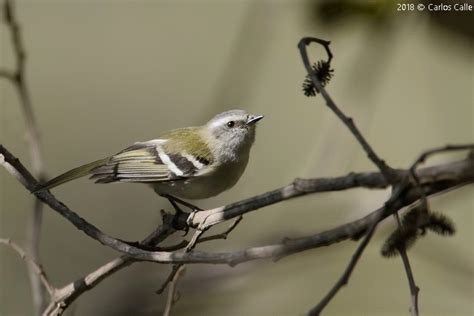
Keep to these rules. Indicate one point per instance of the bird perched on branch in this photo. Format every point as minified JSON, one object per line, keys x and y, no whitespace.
{"x":188,"y":163}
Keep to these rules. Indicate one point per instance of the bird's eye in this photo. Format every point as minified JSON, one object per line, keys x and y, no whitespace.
{"x":230,"y":124}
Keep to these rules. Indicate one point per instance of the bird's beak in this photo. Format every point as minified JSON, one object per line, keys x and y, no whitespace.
{"x":254,"y":119}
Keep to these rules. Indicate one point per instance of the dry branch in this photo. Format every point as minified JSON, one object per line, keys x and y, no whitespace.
{"x":38,"y":270}
{"x":434,"y":179}
{"x":386,"y":170}
{"x":399,"y":186}
{"x":18,"y":78}
{"x":411,"y":280}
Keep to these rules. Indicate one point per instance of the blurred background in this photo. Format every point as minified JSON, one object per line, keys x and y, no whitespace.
{"x":104,"y":74}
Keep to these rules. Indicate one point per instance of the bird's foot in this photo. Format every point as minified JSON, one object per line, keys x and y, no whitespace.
{"x":175,"y":202}
{"x":189,"y":220}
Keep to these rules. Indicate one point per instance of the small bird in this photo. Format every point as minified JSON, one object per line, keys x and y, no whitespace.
{"x":185,"y":163}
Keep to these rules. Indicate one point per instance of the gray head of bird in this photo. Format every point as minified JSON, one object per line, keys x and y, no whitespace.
{"x":233,"y":132}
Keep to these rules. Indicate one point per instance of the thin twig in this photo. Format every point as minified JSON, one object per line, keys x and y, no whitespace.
{"x":225,"y":233}
{"x":177,"y":272}
{"x":414,"y":290}
{"x":184,"y":243}
{"x":344,"y":278}
{"x":347,"y":121}
{"x":172,"y":293}
{"x":38,"y":270}
{"x":422,"y":158}
{"x":18,"y":78}
{"x":168,"y":279}
{"x":348,"y":271}
{"x":66,"y":295}
{"x":387,"y":172}
{"x":178,"y":269}
{"x":447,"y":148}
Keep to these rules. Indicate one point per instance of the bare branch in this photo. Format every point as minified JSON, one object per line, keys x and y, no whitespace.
{"x":389,"y":208}
{"x":182,"y":244}
{"x":348,"y":122}
{"x":389,"y":174}
{"x":18,"y":78}
{"x":414,"y":290}
{"x":435,"y":179}
{"x":326,"y":238}
{"x":178,"y":271}
{"x":344,"y":279}
{"x":66,"y":295}
{"x":397,"y":194}
{"x":214,"y":216}
{"x":176,"y":268}
{"x":225,"y":233}
{"x":172,"y":294}
{"x":168,"y":279}
{"x":28,"y":259}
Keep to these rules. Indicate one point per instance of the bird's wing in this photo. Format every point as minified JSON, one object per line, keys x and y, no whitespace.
{"x":152,"y":161}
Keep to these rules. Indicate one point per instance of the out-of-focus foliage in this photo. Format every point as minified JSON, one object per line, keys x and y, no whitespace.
{"x":382,"y":13}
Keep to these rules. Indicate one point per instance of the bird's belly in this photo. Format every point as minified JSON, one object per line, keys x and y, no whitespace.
{"x":201,"y":187}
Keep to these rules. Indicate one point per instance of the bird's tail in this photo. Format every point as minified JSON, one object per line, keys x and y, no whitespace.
{"x":70,"y":175}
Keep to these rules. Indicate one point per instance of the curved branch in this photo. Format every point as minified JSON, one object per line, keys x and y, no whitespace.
{"x":298,"y":188}
{"x":386,"y":170}
{"x":434,"y":179}
{"x":66,"y":295}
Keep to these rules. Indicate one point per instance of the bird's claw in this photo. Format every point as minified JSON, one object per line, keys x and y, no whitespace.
{"x":189,"y":220}
{"x":186,"y":231}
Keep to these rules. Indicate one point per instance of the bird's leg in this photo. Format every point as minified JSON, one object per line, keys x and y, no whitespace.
{"x":176,"y":217}
{"x":176,"y":206}
{"x":193,"y":207}
{"x":175,"y":201}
